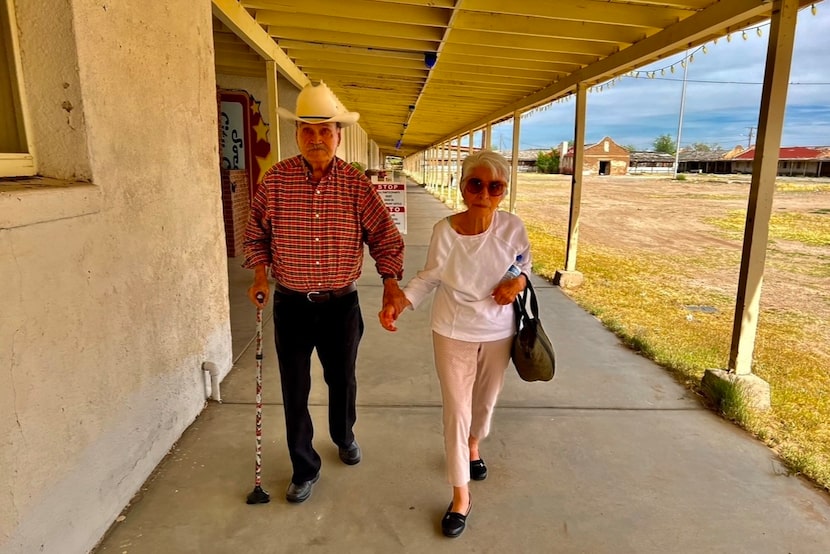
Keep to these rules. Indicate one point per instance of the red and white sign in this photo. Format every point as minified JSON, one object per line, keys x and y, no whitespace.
{"x":394,"y":196}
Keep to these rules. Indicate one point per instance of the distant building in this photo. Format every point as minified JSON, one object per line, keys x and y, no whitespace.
{"x":527,"y":158}
{"x":793,"y":161}
{"x":650,"y":162}
{"x":603,"y":158}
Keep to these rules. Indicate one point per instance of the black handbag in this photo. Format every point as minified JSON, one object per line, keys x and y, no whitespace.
{"x":532,"y":353}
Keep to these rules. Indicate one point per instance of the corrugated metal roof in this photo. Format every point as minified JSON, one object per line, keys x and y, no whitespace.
{"x":792,"y":153}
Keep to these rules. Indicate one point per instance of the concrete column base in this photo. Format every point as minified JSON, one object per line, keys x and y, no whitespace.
{"x":755,"y":389}
{"x":568,"y":279}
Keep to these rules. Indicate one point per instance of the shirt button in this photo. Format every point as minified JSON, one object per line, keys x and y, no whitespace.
{"x":317,"y":192}
{"x":318,"y":263}
{"x":316,"y":239}
{"x":317,"y":216}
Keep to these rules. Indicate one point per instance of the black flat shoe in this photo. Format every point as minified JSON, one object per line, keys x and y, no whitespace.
{"x":453,"y":523}
{"x":478,"y":471}
{"x":300,"y":493}
{"x":350,"y":455}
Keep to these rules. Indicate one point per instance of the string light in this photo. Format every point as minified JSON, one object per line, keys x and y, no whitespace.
{"x":690,"y":58}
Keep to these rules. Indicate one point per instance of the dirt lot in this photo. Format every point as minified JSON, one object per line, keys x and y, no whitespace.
{"x":666,"y":217}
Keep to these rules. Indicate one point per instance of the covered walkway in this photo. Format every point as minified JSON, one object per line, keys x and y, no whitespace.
{"x":612,"y":456}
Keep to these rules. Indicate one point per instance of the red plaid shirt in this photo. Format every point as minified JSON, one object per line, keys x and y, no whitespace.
{"x":312,"y":237}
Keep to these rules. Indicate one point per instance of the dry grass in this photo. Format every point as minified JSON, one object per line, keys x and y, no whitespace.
{"x":642,"y":294}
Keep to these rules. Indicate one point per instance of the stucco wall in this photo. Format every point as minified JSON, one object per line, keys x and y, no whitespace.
{"x":107,"y":317}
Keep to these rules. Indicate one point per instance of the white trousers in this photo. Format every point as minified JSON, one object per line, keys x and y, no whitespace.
{"x":471,"y":376}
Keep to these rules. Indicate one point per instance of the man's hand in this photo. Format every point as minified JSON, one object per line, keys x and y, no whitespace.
{"x":394,"y":296}
{"x":507,"y":291}
{"x":260,"y":287}
{"x":394,"y":303}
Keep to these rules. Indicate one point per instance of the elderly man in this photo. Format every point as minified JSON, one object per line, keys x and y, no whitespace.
{"x":308,"y":222}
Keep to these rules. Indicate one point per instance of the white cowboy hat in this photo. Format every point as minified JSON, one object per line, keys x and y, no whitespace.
{"x":317,"y":104}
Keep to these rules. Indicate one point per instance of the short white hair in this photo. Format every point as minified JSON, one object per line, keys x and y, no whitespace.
{"x":497,"y":163}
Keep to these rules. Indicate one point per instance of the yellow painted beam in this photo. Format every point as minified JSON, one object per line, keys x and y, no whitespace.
{"x":522,"y":25}
{"x":325,"y":25}
{"x":527,"y":42}
{"x":232,"y":14}
{"x":596,"y":11}
{"x":762,"y":186}
{"x":365,"y":10}
{"x":501,"y":52}
{"x":360,"y":40}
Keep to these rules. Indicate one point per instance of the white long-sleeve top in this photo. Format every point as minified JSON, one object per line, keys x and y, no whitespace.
{"x":464,"y":270}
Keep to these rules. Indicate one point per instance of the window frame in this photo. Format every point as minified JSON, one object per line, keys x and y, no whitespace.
{"x":17,"y":164}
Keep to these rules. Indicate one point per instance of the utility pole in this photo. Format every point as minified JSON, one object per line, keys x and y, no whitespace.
{"x":680,"y":118}
{"x":749,"y":139}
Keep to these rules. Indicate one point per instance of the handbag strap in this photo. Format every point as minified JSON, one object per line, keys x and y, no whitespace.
{"x":520,"y":304}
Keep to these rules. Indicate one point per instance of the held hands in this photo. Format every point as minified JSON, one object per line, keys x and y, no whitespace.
{"x":394,"y":303}
{"x":507,"y":291}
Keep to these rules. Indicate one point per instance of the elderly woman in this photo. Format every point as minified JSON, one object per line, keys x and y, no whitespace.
{"x":473,"y":261}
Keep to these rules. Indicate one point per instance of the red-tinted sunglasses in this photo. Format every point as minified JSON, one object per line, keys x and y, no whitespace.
{"x":494,"y":188}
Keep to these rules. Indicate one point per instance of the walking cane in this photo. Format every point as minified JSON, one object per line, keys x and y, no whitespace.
{"x":258,"y":495}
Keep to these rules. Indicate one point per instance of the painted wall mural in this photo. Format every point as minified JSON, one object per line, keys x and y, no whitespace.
{"x":243,"y":135}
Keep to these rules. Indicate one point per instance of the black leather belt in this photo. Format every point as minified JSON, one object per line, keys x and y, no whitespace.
{"x":317,"y":296}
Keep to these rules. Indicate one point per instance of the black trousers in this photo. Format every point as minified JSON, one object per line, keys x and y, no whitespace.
{"x":334,"y":328}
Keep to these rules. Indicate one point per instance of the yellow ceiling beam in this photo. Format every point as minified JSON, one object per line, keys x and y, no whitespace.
{"x":504,"y":70}
{"x":360,"y":40}
{"x":528,"y":26}
{"x":430,"y":3}
{"x":450,"y":61}
{"x":293,"y":47}
{"x":269,"y":11}
{"x":312,"y":58}
{"x":596,"y":11}
{"x":237,"y":19}
{"x":525,"y":42}
{"x":518,"y":54}
{"x":324,"y":25}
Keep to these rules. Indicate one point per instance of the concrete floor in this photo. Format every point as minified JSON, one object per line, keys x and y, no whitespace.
{"x":612,"y":456}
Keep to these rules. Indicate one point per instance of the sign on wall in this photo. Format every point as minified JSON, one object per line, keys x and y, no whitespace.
{"x":394,"y":196}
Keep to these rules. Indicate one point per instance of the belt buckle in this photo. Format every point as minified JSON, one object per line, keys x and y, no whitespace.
{"x":316,"y":296}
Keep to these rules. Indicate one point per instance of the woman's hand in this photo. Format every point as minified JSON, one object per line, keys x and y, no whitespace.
{"x":507,"y":291}
{"x":389,"y":314}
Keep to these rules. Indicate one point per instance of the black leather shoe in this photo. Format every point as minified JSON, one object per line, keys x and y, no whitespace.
{"x":453,"y":523}
{"x":300,"y":493}
{"x":478,"y":471}
{"x":350,"y":455}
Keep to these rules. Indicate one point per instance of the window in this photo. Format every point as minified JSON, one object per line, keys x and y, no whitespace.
{"x":15,"y":153}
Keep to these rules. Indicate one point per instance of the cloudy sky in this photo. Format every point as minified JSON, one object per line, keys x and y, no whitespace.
{"x":723,"y":95}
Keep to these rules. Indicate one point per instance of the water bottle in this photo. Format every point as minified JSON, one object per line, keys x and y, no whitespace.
{"x":513,"y":271}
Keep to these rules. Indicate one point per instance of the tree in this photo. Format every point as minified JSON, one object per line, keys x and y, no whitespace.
{"x":703,"y":147}
{"x":630,"y":147}
{"x":548,"y":162}
{"x":664,"y":143}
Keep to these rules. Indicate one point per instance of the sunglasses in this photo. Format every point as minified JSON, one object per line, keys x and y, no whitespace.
{"x":494,"y":188}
